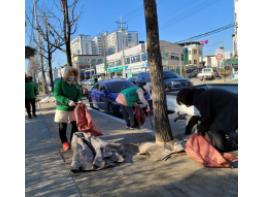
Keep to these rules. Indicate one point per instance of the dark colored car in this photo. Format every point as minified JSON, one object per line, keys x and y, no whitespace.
{"x":104,"y":93}
{"x":191,"y":72}
{"x":172,"y":81}
{"x":233,"y":88}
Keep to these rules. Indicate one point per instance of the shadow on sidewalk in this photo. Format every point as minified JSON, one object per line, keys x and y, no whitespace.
{"x":199,"y":183}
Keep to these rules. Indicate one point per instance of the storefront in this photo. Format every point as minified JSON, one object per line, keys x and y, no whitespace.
{"x":100,"y":69}
{"x":136,"y":68}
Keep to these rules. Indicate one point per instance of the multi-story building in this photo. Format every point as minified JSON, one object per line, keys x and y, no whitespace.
{"x":135,"y":59}
{"x":210,"y":61}
{"x":99,"y":44}
{"x":86,"y":64}
{"x":81,"y":45}
{"x":193,"y":53}
{"x":172,"y":55}
{"x":118,"y":40}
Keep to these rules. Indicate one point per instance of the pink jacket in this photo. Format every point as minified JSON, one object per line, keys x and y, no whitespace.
{"x":84,"y":120}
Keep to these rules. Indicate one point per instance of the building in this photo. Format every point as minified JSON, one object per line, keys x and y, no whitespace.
{"x":193,"y":53}
{"x":210,"y":60}
{"x":99,"y":44}
{"x":172,"y":55}
{"x":82,"y":45}
{"x":86,"y":64}
{"x":136,"y":59}
{"x":217,"y":60}
{"x":120,"y":39}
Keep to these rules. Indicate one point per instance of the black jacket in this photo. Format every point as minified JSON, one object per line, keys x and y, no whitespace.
{"x":218,"y":109}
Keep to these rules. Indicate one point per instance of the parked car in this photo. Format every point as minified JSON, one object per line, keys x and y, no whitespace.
{"x":104,"y":93}
{"x":172,"y":81}
{"x":132,"y":79}
{"x":191,"y":72}
{"x":206,"y":73}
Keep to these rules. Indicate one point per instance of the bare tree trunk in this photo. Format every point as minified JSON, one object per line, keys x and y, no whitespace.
{"x":39,"y":43}
{"x":49,"y":53}
{"x":67,"y":31}
{"x":162,"y":125}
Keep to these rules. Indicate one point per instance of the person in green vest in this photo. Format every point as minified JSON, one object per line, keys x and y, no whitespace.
{"x":131,"y":96}
{"x":31,"y":92}
{"x":67,"y":93}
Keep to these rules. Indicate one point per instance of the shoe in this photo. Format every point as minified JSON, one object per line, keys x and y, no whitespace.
{"x":65,"y":146}
{"x":35,"y":115}
{"x":127,"y":127}
{"x":30,"y":117}
{"x":132,"y":128}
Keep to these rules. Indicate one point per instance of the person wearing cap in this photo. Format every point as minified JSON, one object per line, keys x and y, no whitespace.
{"x":67,"y":93}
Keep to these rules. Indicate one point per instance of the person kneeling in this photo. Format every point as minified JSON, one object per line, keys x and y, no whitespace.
{"x":219,"y":115}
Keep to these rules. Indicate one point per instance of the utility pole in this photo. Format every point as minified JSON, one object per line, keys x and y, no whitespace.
{"x":39,"y":46}
{"x":123,"y":29}
{"x":236,"y":26}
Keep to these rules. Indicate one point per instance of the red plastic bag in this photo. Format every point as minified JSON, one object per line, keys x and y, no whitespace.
{"x":84,"y":120}
{"x":200,"y":149}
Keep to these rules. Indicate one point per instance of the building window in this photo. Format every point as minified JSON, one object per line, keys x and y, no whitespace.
{"x":93,"y":62}
{"x":135,"y":59}
{"x":144,"y":57}
{"x":195,"y":51}
{"x":174,"y":57}
{"x":195,"y":61}
{"x":189,"y":62}
{"x":127,"y":60}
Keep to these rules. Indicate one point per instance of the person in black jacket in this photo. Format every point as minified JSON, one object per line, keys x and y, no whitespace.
{"x":219,"y":114}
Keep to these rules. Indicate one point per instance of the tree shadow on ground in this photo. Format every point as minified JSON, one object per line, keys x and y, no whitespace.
{"x":152,"y":179}
{"x":46,"y":109}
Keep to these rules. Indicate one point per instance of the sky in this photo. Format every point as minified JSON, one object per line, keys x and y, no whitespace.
{"x":178,"y":20}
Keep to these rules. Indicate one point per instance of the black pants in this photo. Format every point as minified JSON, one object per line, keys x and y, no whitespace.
{"x":30,"y":103}
{"x":128,"y":115}
{"x":63,"y":131}
{"x":224,"y":142}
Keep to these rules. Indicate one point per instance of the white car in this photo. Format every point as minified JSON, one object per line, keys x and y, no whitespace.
{"x":206,"y":73}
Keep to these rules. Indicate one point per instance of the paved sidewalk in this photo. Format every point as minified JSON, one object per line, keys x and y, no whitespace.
{"x":48,"y":175}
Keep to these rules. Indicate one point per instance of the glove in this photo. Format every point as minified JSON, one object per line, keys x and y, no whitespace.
{"x":71,"y":103}
{"x":80,"y":102}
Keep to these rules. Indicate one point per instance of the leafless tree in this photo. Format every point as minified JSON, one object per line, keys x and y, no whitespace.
{"x":163,"y":128}
{"x":67,"y":24}
{"x":51,"y":42}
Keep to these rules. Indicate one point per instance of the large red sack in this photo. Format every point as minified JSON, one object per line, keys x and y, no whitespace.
{"x":200,"y":149}
{"x":84,"y":120}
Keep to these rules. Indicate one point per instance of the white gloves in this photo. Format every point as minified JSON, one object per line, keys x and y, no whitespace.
{"x":71,"y":103}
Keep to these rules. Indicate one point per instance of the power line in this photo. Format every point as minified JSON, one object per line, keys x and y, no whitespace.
{"x":217,"y":30}
{"x":196,"y":8}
